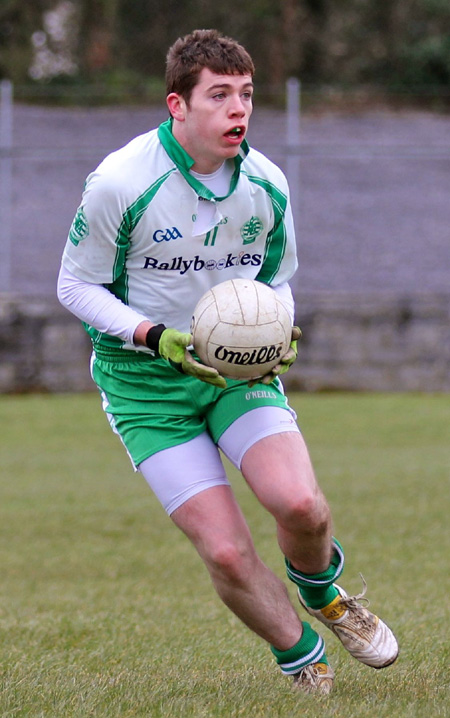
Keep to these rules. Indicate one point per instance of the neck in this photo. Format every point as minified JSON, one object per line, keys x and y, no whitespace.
{"x":202,"y":165}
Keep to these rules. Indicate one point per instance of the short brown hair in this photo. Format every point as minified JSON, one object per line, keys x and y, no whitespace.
{"x":204,"y":48}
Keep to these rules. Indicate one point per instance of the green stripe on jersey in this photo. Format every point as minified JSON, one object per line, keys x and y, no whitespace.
{"x":277,"y":237}
{"x":130,"y":220}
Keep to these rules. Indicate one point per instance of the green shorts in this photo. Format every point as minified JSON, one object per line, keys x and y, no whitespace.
{"x":153,"y":407}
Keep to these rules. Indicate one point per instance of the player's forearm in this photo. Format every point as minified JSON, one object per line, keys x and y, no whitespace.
{"x":140,"y":333}
{"x":95,"y":305}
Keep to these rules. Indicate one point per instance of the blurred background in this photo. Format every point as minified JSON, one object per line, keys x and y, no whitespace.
{"x":352,"y":101}
{"x":400,"y":45}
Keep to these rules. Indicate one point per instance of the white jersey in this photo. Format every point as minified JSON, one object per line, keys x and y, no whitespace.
{"x":135,"y":231}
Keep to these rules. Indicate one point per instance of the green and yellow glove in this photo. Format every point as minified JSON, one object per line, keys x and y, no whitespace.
{"x":171,"y":345}
{"x":286,"y":361}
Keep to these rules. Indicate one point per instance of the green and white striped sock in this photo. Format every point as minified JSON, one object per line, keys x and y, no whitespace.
{"x":309,"y":649}
{"x":317,"y":589}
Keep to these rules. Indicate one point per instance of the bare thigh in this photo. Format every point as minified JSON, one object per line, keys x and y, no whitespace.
{"x":279,"y":471}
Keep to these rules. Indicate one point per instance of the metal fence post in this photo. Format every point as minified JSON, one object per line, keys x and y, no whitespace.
{"x":293,"y":87}
{"x":6,"y":140}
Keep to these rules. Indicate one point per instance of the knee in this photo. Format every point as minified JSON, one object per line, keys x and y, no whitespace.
{"x":231,"y":562}
{"x":308,"y":510}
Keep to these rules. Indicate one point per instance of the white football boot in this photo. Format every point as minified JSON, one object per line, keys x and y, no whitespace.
{"x":315,"y":678}
{"x":363,"y":634}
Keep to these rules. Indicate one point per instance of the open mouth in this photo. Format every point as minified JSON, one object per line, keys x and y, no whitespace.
{"x":235,"y":133}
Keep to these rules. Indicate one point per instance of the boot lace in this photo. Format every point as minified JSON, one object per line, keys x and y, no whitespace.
{"x":354,"y":604}
{"x":310,"y":677}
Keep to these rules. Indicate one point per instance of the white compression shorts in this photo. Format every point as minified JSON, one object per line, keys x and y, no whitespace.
{"x":178,"y":473}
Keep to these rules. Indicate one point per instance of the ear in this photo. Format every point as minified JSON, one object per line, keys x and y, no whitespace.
{"x":177,"y":106}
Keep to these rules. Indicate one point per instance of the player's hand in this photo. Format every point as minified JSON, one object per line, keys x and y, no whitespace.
{"x":285,"y":362}
{"x":172,"y":346}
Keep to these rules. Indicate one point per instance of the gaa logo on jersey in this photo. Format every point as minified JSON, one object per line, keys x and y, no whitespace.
{"x":165,"y":235}
{"x":251,"y":230}
{"x":80,"y":227}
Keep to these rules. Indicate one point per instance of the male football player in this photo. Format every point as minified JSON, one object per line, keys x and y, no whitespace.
{"x":174,"y":212}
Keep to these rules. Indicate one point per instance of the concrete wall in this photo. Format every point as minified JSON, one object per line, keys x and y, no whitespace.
{"x":374,"y":342}
{"x":42,"y":347}
{"x":357,"y":342}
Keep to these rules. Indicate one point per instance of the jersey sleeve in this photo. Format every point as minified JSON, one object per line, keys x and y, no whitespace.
{"x":280,"y":254}
{"x":97,"y":307}
{"x":99,"y":235}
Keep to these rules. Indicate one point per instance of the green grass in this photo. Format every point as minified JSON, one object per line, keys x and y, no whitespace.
{"x":106,"y":610}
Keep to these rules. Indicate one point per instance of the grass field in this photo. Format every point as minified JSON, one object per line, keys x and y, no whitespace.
{"x":105,"y":609}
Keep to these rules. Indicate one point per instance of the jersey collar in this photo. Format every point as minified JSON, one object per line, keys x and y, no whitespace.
{"x":184,"y":162}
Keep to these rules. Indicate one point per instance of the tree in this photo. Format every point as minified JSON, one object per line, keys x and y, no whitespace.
{"x":97,"y":36}
{"x":334,"y":42}
{"x":18,"y":20}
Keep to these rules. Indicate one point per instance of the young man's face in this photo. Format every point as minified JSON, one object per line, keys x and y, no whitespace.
{"x":213,"y":125}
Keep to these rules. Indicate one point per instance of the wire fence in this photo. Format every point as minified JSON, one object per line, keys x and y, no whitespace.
{"x":369,"y":187}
